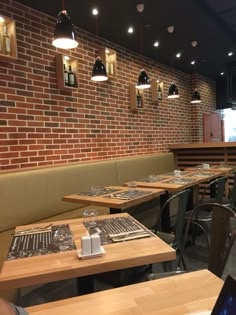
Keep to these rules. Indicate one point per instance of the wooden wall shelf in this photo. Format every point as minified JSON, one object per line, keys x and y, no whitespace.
{"x":136,"y":98}
{"x":62,"y":60}
{"x":157,"y":88}
{"x":108,"y":57}
{"x":5,"y":54}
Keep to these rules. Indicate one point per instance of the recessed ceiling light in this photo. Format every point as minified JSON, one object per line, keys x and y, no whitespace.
{"x":178,"y":55}
{"x":230,"y":53}
{"x":95,"y":11}
{"x":66,"y":58}
{"x":156,"y":44}
{"x":193,"y":62}
{"x":2,"y":20}
{"x":130,"y":30}
{"x":222,"y":73}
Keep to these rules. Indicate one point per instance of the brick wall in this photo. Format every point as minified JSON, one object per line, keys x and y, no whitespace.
{"x":41,"y":125}
{"x":206,"y":89}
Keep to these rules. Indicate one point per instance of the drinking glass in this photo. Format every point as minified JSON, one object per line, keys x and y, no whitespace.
{"x":152,"y":178}
{"x":95,"y":190}
{"x":90,"y":217}
{"x":131,"y":184}
{"x":62,"y":238}
{"x":177,"y":173}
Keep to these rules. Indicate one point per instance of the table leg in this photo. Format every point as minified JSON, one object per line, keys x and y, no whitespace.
{"x":85,"y":285}
{"x":114,"y":210}
{"x":165,"y":218}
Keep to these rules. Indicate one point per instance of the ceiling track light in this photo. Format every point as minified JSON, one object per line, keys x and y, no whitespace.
{"x":64,"y":35}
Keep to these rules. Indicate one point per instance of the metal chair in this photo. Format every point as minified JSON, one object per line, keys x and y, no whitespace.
{"x":220,"y":237}
{"x":231,"y":202}
{"x":213,"y":192}
{"x":177,"y":206}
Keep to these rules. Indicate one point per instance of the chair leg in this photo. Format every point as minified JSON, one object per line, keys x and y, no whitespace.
{"x":201,"y":227}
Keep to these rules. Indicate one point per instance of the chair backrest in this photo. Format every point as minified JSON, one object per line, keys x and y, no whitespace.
{"x":232,"y":197}
{"x":217,"y":190}
{"x":221,"y":239}
{"x":180,"y":202}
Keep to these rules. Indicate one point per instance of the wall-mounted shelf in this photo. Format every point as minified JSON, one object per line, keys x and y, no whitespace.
{"x":69,"y":80}
{"x":8,"y":47}
{"x":108,"y":57}
{"x":157,"y":88}
{"x":136,"y":98}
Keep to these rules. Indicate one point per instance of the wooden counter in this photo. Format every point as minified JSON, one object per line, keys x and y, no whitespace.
{"x":202,"y":145}
{"x":214,"y":153}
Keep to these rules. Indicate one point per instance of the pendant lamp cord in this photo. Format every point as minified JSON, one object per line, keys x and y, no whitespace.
{"x":141,"y":35}
{"x":63,"y":5}
{"x":97,"y":27}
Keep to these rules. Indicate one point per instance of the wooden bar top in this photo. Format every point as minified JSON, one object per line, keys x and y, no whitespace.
{"x":184,"y":294}
{"x":28,"y":271}
{"x":202,"y":145}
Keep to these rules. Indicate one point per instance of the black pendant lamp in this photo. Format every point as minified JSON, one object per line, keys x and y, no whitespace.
{"x":196,"y":98}
{"x":99,"y":72}
{"x":173,"y":91}
{"x":143,"y":80}
{"x":64,"y":35}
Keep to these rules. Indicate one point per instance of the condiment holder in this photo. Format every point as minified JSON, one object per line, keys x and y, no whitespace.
{"x":90,"y":247}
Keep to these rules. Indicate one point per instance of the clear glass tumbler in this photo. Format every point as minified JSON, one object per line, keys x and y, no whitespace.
{"x":90,"y":217}
{"x":62,"y":238}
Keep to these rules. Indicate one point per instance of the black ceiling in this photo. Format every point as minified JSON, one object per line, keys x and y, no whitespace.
{"x":210,"y":22}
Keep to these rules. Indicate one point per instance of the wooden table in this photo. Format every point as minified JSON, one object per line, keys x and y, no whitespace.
{"x":193,"y":176}
{"x":64,"y":265}
{"x":173,"y":187}
{"x":116,"y":205}
{"x":212,"y":168}
{"x":183,"y":294}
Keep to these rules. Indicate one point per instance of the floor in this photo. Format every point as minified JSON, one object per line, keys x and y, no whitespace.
{"x":195,"y":258}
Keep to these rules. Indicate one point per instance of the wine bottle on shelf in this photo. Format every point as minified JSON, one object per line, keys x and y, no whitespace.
{"x":159,"y":92}
{"x":6,"y":41}
{"x":66,"y":76}
{"x":111,"y":68}
{"x":71,"y":77}
{"x":139,"y":99}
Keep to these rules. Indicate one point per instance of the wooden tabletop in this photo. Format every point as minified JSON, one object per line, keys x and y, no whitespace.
{"x":183,"y":294}
{"x":194,"y":177}
{"x":64,"y":265}
{"x":113,"y":202}
{"x":212,"y":168}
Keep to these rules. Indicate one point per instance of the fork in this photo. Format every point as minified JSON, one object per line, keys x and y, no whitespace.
{"x":33,"y":229}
